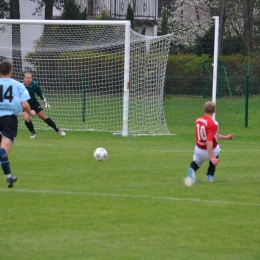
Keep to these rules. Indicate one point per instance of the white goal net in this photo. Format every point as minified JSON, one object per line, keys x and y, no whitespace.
{"x":85,"y":72}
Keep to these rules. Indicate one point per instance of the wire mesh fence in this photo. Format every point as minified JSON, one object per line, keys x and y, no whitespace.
{"x":185,"y":97}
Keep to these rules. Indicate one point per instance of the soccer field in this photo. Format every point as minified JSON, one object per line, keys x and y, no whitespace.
{"x":134,"y":205}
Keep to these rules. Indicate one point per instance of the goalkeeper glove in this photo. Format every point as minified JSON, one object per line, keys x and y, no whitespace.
{"x":46,"y":104}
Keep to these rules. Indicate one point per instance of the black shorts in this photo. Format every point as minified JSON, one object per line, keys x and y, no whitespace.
{"x":36,"y":106}
{"x":8,"y":127}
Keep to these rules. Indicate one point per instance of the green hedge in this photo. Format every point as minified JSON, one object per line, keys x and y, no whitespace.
{"x":184,"y":75}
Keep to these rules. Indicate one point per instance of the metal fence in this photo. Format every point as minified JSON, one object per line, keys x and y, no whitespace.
{"x":143,"y":9}
{"x":185,"y":97}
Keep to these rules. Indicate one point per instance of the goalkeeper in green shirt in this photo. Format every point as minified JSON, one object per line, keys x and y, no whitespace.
{"x":33,"y":88}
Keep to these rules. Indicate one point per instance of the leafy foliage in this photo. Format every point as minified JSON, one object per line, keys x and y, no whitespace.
{"x":233,"y":45}
{"x":191,"y":65}
{"x":164,"y":26}
{"x":192,"y":18}
{"x":104,"y":15}
{"x":72,"y":11}
{"x":130,"y":15}
{"x":4,"y":8}
{"x":184,"y":72}
{"x":143,"y":30}
{"x":205,"y":44}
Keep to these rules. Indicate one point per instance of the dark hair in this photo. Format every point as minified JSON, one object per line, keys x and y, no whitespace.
{"x":27,"y":73}
{"x":5,"y":67}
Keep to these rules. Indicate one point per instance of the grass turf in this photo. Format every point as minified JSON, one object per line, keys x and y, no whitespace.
{"x":134,"y":205}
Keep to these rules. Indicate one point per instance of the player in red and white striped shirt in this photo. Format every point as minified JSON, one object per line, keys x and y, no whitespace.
{"x":207,"y":147}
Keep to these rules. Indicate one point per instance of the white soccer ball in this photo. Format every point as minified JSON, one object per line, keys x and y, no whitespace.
{"x":100,"y":154}
{"x":188,"y":181}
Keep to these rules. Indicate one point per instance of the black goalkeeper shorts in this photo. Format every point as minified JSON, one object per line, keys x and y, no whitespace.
{"x":36,"y":106}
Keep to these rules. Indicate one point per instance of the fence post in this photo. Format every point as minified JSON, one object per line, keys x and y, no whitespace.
{"x":246,"y":103}
{"x":84,"y":87}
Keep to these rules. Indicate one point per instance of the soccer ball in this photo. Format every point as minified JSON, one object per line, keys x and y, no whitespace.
{"x":100,"y":154}
{"x":188,"y":181}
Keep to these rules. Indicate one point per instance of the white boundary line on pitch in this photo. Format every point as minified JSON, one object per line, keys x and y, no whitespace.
{"x":132,"y":196}
{"x":150,"y":150}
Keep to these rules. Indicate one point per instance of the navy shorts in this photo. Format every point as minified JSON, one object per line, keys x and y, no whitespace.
{"x":36,"y":106}
{"x":8,"y":127}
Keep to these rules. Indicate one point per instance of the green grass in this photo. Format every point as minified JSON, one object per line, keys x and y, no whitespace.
{"x":134,"y":205}
{"x":230,"y":110}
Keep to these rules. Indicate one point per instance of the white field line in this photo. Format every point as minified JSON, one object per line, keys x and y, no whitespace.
{"x":223,"y":202}
{"x":150,"y":150}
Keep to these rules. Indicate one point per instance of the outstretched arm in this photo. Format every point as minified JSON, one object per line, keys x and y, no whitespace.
{"x":226,"y":137}
{"x":40,"y":94}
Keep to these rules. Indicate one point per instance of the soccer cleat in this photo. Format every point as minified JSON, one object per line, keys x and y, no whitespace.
{"x":209,"y":178}
{"x":10,"y":181}
{"x":191,"y":174}
{"x":61,"y":133}
{"x":33,"y":135}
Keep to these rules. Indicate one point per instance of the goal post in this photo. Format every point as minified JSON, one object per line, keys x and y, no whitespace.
{"x":215,"y":62}
{"x":126,"y":78}
{"x":97,"y":75}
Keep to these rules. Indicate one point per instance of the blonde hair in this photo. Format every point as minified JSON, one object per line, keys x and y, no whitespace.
{"x":209,"y":107}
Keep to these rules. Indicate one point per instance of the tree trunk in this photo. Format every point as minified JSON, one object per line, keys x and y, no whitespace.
{"x":181,"y":5}
{"x":247,"y":12}
{"x":16,"y":40}
{"x":90,"y":8}
{"x":45,"y":41}
{"x":222,"y":19}
{"x":48,"y":9}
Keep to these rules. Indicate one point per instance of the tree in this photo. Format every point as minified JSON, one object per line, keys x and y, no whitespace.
{"x":143,"y":30}
{"x":48,"y":9}
{"x":104,"y":15}
{"x":222,"y":19}
{"x":4,"y":9}
{"x":48,"y":5}
{"x":90,"y":7}
{"x":247,"y":13}
{"x":164,"y":24}
{"x":205,"y":44}
{"x":16,"y":39}
{"x":170,"y":5}
{"x":233,"y":45}
{"x":239,"y":19}
{"x":130,"y":15}
{"x":71,"y":11}
{"x":134,"y":3}
{"x":186,"y":27}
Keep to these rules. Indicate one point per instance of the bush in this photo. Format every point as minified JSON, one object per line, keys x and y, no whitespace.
{"x":184,"y":74}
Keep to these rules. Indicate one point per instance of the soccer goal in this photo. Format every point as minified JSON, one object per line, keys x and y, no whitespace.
{"x":96,"y":75}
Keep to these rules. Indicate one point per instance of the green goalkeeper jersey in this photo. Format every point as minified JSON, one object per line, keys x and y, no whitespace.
{"x":34,"y":89}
